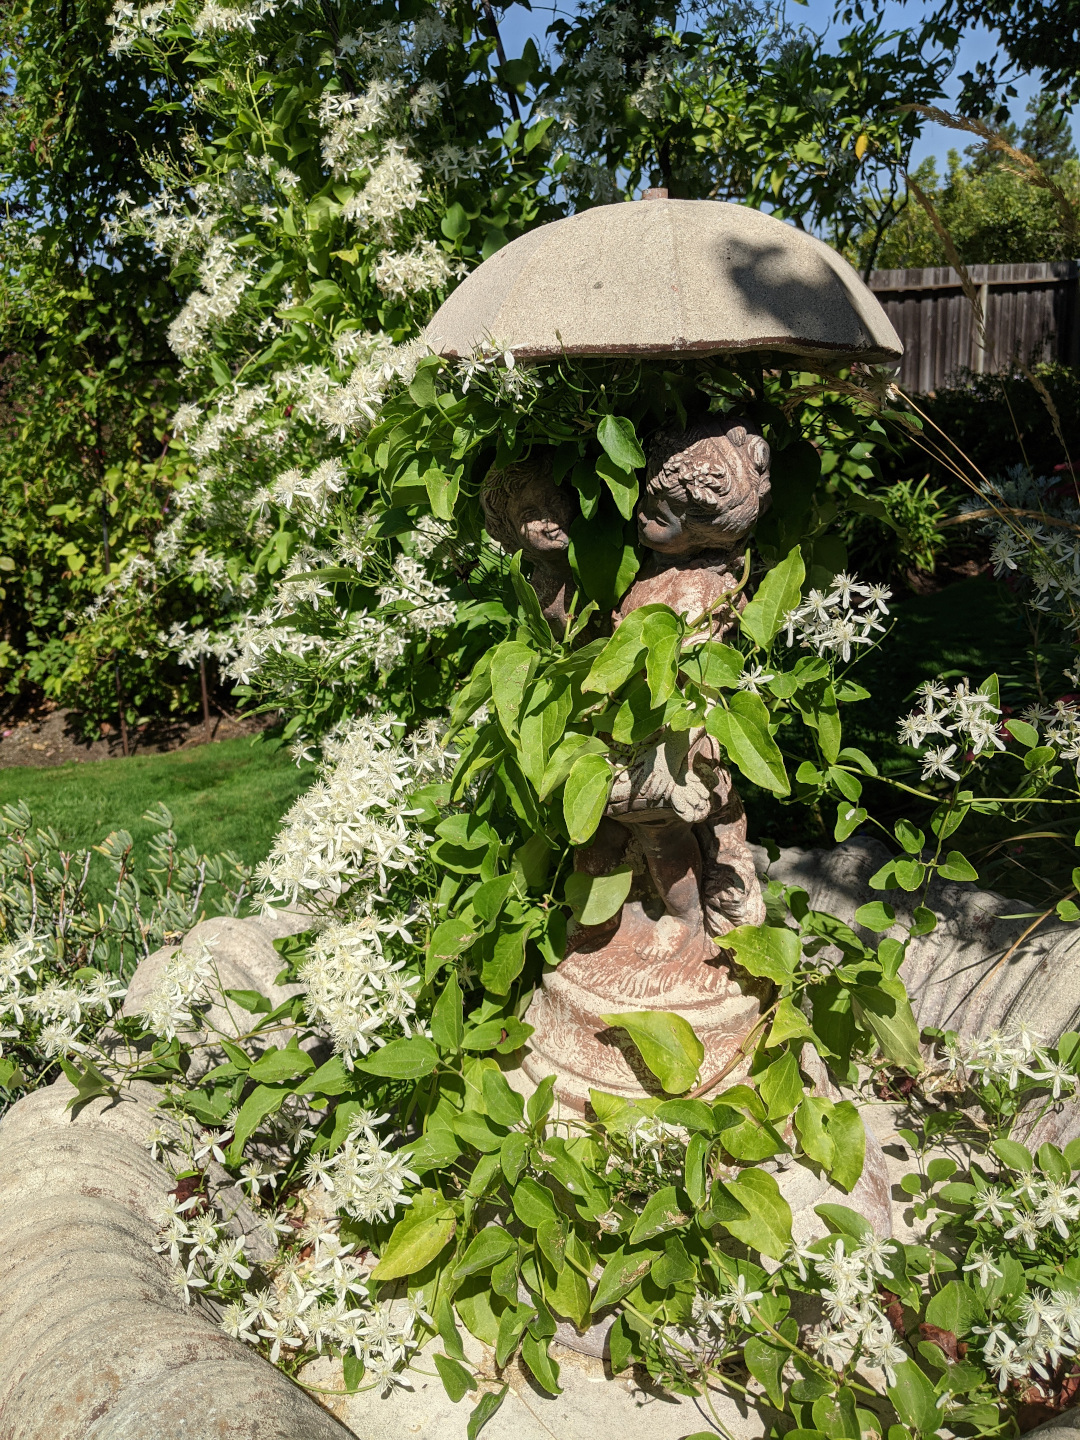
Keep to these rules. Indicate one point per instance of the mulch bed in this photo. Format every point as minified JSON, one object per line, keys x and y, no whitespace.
{"x":51,"y":736}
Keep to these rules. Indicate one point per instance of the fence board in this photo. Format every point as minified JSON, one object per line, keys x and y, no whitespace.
{"x":1032,"y":312}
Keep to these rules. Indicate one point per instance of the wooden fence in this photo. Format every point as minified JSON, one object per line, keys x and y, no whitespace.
{"x":1031,"y":315}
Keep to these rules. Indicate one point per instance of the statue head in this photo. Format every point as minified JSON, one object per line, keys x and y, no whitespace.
{"x":525,"y":510}
{"x":704,"y":487}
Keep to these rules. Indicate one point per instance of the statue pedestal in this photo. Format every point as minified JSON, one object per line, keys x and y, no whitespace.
{"x":636,"y":963}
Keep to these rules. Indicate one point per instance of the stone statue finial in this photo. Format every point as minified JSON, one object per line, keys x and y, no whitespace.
{"x":524,"y":510}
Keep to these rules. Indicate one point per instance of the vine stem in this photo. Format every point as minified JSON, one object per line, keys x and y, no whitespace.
{"x":740,"y":1054}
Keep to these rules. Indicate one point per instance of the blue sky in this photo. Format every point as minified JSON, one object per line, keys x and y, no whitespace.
{"x":977,"y":44}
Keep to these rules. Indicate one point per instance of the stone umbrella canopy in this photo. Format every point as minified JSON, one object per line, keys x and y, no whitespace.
{"x":667,"y":277}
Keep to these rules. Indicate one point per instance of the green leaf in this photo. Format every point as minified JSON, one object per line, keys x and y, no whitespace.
{"x":667,"y":1044}
{"x":835,"y":1415}
{"x":713,"y":666}
{"x":779,"y":592}
{"x":886,"y":1011}
{"x":662,"y":1212}
{"x":534,"y":1203}
{"x":876,"y":916}
{"x":914,"y":1399}
{"x":637,"y":718}
{"x":765,"y":1362}
{"x":457,"y":1381}
{"x":586,"y":794}
{"x":621,"y":656}
{"x":513,"y":1155}
{"x":596,"y":898}
{"x":695,"y":1176}
{"x":89,"y":1084}
{"x":544,"y":1369}
{"x":811,"y":1122}
{"x":768,"y":1226}
{"x":621,"y":1273}
{"x":602,"y":562}
{"x":955,"y":1307}
{"x":768,"y":951}
{"x":539,"y":1103}
{"x":489,"y":898}
{"x":504,"y":1105}
{"x":455,"y":223}
{"x":674,"y":1266}
{"x":621,"y":483}
{"x":781,"y":1086}
{"x":512,"y":666}
{"x":486,"y":1249}
{"x":486,"y":1407}
{"x":744,"y":735}
{"x":909,"y":837}
{"x":530,"y":603}
{"x":923,"y":921}
{"x":956,"y":867}
{"x":909,"y":874}
{"x":848,"y":1134}
{"x":264,"y":1100}
{"x":842,"y":1221}
{"x":426,"y":1230}
{"x":1013,"y":1154}
{"x":507,"y":958}
{"x":448,"y":1017}
{"x":1020,"y":730}
{"x":442,"y":489}
{"x":401,"y":1059}
{"x":691,"y":1114}
{"x":848,"y":819}
{"x":329,"y":1079}
{"x":619,"y":439}
{"x":436,"y":1149}
{"x":662,"y":635}
{"x":251,"y":1000}
{"x":284,"y":1064}
{"x":562,"y":760}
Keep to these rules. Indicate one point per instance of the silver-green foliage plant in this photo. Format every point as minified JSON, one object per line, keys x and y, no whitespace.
{"x":70,"y":938}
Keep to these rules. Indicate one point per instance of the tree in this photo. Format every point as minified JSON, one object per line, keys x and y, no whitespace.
{"x":993,"y":214}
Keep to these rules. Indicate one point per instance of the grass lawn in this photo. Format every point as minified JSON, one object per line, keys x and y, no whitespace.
{"x":228,"y":796}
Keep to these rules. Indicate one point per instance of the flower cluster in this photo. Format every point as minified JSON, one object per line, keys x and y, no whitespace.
{"x":961,"y":715}
{"x":355,"y":990}
{"x":834,"y":621}
{"x":182,"y":988}
{"x":1049,"y":1332}
{"x":1042,"y":555}
{"x":855,"y":1328}
{"x":1060,"y":724}
{"x":353,"y":825}
{"x":364,"y":1178}
{"x":56,"y":1011}
{"x":1009,"y":1057}
{"x":307,"y":1289}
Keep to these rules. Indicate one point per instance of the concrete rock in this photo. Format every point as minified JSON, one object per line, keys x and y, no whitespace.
{"x":94,"y":1342}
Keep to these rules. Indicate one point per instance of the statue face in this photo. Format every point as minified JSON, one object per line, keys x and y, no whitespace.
{"x":541,"y":515}
{"x":705,"y":489}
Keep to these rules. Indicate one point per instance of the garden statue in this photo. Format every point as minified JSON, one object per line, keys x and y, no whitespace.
{"x":524,"y":510}
{"x":673,"y":815}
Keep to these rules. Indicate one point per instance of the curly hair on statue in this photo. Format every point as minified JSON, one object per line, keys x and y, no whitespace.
{"x":706,"y":486}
